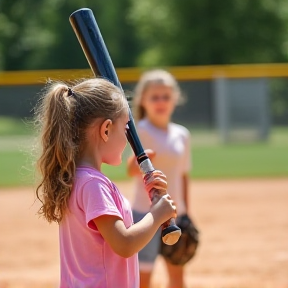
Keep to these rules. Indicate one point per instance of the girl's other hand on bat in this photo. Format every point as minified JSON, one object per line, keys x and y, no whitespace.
{"x":132,"y":165}
{"x":156,"y":180}
{"x":150,"y":153}
{"x":163,"y":209}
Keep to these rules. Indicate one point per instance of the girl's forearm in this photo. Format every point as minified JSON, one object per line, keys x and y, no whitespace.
{"x":139,"y":234}
{"x":127,"y":241}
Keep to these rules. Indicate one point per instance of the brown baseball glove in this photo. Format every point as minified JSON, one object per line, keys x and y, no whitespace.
{"x":181,"y":252}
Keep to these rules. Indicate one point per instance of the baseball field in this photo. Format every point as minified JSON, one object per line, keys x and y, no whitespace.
{"x":238,"y":194}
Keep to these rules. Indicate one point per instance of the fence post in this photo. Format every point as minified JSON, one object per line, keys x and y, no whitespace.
{"x":221,"y":106}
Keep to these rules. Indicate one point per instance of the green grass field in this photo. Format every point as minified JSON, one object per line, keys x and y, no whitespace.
{"x":12,"y":126}
{"x":211,"y":159}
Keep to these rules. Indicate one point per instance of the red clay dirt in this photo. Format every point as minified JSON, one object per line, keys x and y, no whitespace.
{"x":244,"y":237}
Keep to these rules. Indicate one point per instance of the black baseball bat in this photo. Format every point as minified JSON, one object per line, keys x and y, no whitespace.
{"x":94,"y":48}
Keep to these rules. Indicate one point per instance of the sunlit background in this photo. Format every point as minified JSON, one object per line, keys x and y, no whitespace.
{"x":231,"y":61}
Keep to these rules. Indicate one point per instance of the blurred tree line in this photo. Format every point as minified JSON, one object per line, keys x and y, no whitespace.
{"x":37,"y":35}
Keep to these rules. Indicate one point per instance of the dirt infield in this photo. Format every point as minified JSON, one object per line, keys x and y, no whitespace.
{"x":244,"y":237}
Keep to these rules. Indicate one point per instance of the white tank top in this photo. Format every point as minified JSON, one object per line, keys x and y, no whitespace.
{"x":172,"y":147}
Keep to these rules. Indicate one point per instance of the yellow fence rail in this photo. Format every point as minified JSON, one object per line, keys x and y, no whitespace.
{"x":127,"y":75}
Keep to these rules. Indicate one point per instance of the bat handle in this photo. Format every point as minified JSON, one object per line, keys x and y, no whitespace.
{"x":170,"y":231}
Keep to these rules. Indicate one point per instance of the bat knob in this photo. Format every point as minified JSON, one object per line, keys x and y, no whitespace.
{"x":171,"y":234}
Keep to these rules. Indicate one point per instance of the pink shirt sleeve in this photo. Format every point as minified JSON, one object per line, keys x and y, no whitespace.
{"x":98,"y":199}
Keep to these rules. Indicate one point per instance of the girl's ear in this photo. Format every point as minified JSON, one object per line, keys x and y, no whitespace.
{"x":105,"y":129}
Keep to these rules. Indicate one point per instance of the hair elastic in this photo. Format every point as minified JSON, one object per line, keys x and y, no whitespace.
{"x":70,"y":92}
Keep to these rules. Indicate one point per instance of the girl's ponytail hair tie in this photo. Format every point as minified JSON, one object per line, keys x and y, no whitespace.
{"x":70,"y":92}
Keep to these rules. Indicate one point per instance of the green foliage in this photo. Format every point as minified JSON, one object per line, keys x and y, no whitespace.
{"x":209,"y":32}
{"x":24,"y":35}
{"x":37,"y":34}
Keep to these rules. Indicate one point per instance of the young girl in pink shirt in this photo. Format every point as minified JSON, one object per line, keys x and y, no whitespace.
{"x":82,"y":127}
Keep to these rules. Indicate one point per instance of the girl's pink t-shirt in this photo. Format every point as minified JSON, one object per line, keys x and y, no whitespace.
{"x":86,"y":259}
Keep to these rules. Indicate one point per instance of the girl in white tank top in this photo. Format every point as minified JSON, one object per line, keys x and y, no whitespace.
{"x":168,"y":146}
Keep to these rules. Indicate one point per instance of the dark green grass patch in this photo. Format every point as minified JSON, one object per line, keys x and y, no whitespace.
{"x":210,"y":160}
{"x":234,"y":161}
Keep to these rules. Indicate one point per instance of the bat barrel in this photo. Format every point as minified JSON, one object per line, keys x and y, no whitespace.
{"x":89,"y":36}
{"x":93,"y":44}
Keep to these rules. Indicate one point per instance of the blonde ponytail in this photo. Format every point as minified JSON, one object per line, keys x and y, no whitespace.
{"x":57,"y":161}
{"x":62,"y":117}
